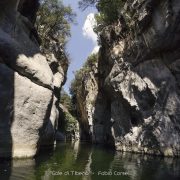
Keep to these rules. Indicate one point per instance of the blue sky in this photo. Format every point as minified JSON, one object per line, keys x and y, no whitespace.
{"x":82,"y":41}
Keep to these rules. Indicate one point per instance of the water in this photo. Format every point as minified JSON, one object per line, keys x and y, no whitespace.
{"x":83,"y":162}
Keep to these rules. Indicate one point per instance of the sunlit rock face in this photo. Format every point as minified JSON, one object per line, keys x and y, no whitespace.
{"x":138,"y":101}
{"x":28,"y":111}
{"x":85,"y":101}
{"x":85,"y":104}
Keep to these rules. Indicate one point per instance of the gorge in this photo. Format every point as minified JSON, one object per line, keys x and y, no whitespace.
{"x":126,"y":97}
{"x":129,"y":98}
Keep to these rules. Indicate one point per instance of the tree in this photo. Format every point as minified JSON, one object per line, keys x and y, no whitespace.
{"x":109,"y":11}
{"x":53,"y":24}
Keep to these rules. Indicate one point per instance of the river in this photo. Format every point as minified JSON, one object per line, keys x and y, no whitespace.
{"x":80,"y":161}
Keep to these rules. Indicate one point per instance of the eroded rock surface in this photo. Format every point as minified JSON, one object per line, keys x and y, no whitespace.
{"x":85,"y":104}
{"x":138,"y":94}
{"x":29,"y":88}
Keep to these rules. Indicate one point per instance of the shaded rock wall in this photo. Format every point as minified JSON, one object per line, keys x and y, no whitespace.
{"x":138,"y":97}
{"x":68,"y":126}
{"x":28,"y":86}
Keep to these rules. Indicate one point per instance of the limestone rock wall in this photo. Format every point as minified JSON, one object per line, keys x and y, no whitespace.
{"x":138,"y":101}
{"x":85,"y":104}
{"x":29,"y":88}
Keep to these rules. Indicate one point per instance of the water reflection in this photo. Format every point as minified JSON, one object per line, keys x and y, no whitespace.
{"x":70,"y":159}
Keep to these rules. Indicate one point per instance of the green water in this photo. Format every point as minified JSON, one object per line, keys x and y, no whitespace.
{"x":83,"y":162}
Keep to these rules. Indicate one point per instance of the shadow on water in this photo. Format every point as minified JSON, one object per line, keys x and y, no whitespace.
{"x":69,"y":160}
{"x":6,"y":117}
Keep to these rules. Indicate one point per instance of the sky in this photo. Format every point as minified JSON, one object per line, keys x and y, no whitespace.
{"x":83,"y":40}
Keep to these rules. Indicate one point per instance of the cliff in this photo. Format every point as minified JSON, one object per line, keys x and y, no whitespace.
{"x":86,"y":99}
{"x":30,"y":83}
{"x":84,"y":90}
{"x":137,"y":98}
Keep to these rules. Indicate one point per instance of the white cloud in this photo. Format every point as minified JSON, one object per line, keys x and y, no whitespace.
{"x":88,"y":32}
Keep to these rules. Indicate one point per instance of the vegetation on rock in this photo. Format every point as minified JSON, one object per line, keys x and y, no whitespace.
{"x":66,"y":101}
{"x":68,"y":122}
{"x":89,"y":66}
{"x":109,"y":11}
{"x":53,"y":26}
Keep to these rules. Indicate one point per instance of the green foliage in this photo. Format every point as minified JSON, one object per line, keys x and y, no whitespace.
{"x":91,"y":61}
{"x":66,"y":100}
{"x":70,"y":123}
{"x":53,"y":23}
{"x":109,"y":11}
{"x":89,"y":65}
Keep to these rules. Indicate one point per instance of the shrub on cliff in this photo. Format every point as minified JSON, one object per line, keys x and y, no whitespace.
{"x":70,"y":123}
{"x":67,"y":123}
{"x":66,"y":101}
{"x":53,"y":26}
{"x":88,"y":66}
{"x":109,"y":11}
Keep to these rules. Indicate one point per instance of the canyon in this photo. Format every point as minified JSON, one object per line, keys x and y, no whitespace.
{"x":129,"y":100}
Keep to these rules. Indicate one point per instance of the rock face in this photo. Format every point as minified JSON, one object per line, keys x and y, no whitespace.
{"x":28,"y":85}
{"x":85,"y":104}
{"x":68,"y":126}
{"x":138,"y":94}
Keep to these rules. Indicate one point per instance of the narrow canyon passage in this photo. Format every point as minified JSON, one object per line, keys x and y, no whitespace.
{"x":89,"y":89}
